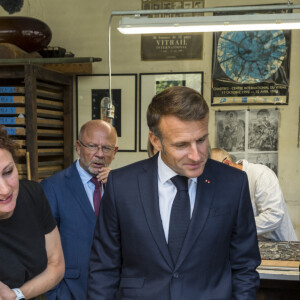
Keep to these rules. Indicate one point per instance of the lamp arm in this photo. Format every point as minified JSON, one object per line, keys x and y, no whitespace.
{"x":205,"y":10}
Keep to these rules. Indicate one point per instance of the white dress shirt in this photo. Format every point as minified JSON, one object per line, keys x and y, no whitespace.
{"x":271,"y":215}
{"x":167,"y":192}
{"x":86,"y":181}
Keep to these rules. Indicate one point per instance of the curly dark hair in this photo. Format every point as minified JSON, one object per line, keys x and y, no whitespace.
{"x":6,"y":143}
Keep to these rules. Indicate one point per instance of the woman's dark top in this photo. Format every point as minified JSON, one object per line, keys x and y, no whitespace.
{"x":22,"y":236}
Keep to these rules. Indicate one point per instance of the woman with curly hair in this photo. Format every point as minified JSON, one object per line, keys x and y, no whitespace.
{"x":31,"y":255}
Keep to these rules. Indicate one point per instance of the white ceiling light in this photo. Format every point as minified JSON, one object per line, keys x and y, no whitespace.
{"x":245,"y":22}
{"x":229,"y":21}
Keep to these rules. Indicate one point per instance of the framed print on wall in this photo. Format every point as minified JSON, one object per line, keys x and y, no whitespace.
{"x":251,"y":67}
{"x":152,"y":84}
{"x":249,"y":134}
{"x":90,"y":91}
{"x":184,"y":46}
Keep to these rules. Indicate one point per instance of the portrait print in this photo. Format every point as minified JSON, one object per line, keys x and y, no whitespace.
{"x":263,"y":130}
{"x":230,"y":133}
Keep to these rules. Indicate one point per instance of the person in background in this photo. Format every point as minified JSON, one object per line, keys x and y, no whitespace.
{"x":31,"y":257}
{"x":166,"y":228}
{"x":74,"y":196}
{"x":271,"y":215}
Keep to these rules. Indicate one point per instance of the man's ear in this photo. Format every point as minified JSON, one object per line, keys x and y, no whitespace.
{"x":155,"y":141}
{"x":115,"y":152}
{"x":78,"y":147}
{"x":227,"y":162}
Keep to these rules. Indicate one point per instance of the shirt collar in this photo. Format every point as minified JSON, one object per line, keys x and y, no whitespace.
{"x":165,"y":173}
{"x":84,"y":175}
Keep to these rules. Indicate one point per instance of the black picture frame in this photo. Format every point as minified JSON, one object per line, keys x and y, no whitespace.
{"x":91,"y":88}
{"x":251,"y":67}
{"x":151,"y":84}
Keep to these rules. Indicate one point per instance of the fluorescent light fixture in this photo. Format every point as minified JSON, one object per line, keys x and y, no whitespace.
{"x":246,"y":22}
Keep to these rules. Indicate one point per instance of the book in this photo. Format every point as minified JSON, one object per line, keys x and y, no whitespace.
{"x":12,"y":99}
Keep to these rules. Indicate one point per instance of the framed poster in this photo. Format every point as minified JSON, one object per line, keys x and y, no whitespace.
{"x":250,"y":134}
{"x":152,"y":84}
{"x":90,"y":91}
{"x":251,"y":67}
{"x":172,"y":46}
{"x":187,"y":46}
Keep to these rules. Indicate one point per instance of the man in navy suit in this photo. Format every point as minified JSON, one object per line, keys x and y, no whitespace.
{"x":70,"y":194}
{"x":138,"y":250}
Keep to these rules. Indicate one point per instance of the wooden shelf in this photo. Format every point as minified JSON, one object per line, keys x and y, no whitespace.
{"x":72,"y":68}
{"x":66,"y":65}
{"x":37,"y":109}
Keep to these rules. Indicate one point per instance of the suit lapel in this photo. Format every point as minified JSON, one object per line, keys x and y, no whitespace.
{"x":203,"y":202}
{"x":76,"y":187}
{"x":149,"y":196}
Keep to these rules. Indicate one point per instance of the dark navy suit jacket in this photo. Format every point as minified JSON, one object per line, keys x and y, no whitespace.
{"x":130,"y":257}
{"x":76,"y":223}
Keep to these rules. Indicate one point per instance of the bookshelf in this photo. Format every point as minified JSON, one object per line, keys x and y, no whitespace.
{"x":36,"y":106}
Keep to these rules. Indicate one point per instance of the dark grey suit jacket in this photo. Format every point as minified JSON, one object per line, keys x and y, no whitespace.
{"x":130,"y":257}
{"x":76,"y":223}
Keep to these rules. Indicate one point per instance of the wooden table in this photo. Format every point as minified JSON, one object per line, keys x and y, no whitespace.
{"x":280,"y":280}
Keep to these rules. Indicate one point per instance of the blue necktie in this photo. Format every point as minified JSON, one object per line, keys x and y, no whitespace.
{"x":180,"y":216}
{"x":97,"y":195}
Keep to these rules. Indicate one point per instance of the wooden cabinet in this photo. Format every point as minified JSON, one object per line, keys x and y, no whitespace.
{"x":280,"y":279}
{"x":279,"y":290}
{"x":36,"y":106}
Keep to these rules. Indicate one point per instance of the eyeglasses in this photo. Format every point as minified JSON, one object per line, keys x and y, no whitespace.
{"x":224,"y":159}
{"x":95,"y":148}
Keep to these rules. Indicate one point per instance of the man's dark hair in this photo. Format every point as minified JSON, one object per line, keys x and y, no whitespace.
{"x":179,"y":101}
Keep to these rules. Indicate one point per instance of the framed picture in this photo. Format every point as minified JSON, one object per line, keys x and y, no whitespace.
{"x":250,"y":134}
{"x":186,"y":46}
{"x":153,"y":83}
{"x":90,"y":104}
{"x":251,"y":67}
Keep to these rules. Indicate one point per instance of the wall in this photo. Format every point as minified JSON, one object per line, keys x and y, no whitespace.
{"x":82,"y":27}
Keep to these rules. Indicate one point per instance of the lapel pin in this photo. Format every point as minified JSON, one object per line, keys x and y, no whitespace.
{"x":207,"y":181}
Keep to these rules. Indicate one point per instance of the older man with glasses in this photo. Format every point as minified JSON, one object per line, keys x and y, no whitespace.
{"x":74,"y":195}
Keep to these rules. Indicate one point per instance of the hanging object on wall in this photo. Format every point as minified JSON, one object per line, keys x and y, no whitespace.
{"x":251,"y":67}
{"x":250,"y":134}
{"x":12,"y":6}
{"x":171,"y":46}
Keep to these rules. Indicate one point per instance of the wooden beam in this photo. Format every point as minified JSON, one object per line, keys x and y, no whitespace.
{"x":72,"y":68}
